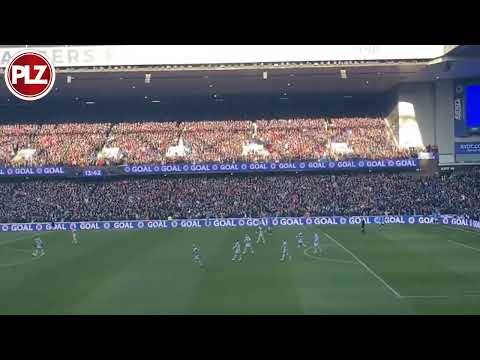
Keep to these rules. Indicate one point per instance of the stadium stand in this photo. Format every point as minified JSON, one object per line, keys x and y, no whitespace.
{"x":85,"y":144}
{"x":240,"y":196}
{"x":142,"y":142}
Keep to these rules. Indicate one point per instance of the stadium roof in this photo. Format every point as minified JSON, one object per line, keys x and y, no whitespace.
{"x":465,"y":51}
{"x":197,"y":55}
{"x":370,"y":77}
{"x":373,"y":79}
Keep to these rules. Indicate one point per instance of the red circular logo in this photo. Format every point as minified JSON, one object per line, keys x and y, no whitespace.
{"x":29,"y":75}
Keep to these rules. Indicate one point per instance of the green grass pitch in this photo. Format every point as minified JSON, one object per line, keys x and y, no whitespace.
{"x":413,"y":269}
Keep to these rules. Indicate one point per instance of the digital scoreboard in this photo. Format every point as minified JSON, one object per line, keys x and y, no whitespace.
{"x":472,"y":108}
{"x":467,"y":109}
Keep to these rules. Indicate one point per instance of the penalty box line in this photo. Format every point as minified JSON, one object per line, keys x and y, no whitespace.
{"x":397,"y":294}
{"x":378,"y":277}
{"x":438,"y":296}
{"x":323,"y":258}
{"x":449,"y":227}
{"x":465,"y":246}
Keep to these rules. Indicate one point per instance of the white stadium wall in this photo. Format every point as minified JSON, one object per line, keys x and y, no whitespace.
{"x":444,"y":128}
{"x":430,"y":106}
{"x":415,"y":103}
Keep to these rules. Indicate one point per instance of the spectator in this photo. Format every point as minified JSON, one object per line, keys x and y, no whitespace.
{"x":75,"y":144}
{"x":239,"y":196}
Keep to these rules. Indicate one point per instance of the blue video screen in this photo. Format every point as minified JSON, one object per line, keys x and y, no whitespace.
{"x":472,"y":106}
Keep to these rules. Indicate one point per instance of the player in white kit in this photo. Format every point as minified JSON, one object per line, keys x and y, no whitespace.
{"x":248,"y":244}
{"x":316,"y":244}
{"x":261,"y":236}
{"x":74,"y":237}
{"x":196,"y":255}
{"x":285,"y":254}
{"x":38,"y":249}
{"x":300,"y":242}
{"x":237,"y":251}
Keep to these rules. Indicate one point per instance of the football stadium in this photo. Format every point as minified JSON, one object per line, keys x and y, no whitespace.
{"x":241,"y":180}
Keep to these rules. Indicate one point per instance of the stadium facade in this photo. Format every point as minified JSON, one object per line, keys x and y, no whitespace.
{"x":140,"y":111}
{"x":414,"y":85}
{"x":144,"y":164}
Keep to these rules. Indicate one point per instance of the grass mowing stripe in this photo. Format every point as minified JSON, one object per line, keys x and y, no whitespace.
{"x":20,"y":262}
{"x":397,"y":294}
{"x":151,"y":272}
{"x":29,"y":236}
{"x":19,"y":250}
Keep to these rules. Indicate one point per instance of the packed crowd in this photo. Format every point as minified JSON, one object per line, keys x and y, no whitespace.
{"x":232,"y":196}
{"x":216,"y":141}
{"x":71,"y":144}
{"x":14,"y":138}
{"x":145,"y":142}
{"x":207,"y":141}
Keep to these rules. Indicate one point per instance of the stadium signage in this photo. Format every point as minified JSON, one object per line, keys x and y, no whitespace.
{"x":272,"y":167}
{"x":231,"y":222}
{"x":467,"y":148}
{"x":460,"y":221}
{"x":124,"y":55}
{"x":239,"y":222}
{"x":458,"y":109}
{"x":64,"y":56}
{"x":92,"y":173}
{"x":22,"y":171}
{"x":212,"y":168}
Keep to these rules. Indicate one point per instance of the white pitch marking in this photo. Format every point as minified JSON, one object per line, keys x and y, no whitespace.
{"x":365,"y":266}
{"x":460,"y":229}
{"x":423,"y":296}
{"x":437,"y":296}
{"x":469,"y":247}
{"x":328,"y":259}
